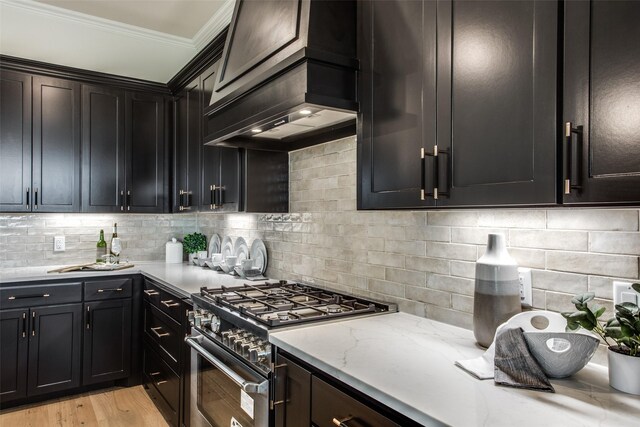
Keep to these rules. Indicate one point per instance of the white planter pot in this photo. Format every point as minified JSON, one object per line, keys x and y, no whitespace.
{"x":624,"y":372}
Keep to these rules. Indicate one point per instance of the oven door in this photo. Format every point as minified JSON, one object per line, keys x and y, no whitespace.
{"x":224,"y":391}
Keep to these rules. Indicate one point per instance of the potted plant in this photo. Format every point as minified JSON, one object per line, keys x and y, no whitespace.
{"x":193,"y":243}
{"x":623,"y":329}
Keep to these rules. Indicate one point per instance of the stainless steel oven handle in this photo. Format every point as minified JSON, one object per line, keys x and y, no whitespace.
{"x":247,"y":386}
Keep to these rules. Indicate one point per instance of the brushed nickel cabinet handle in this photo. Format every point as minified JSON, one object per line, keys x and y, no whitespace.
{"x":151,"y":292}
{"x":33,"y":323}
{"x":110,"y":290}
{"x":12,"y":298}
{"x":158,"y":334}
{"x":569,"y":166}
{"x":169,"y":303}
{"x":342,"y":422}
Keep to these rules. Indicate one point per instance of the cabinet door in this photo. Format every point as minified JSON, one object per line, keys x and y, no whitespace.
{"x":56,"y":145}
{"x":292,"y":388}
{"x":54,"y":348}
{"x":496,"y":85}
{"x":13,"y":354}
{"x":107,"y":341}
{"x":187,"y":148}
{"x":103,"y":178}
{"x":396,"y":47}
{"x":602,"y":101}
{"x":266,"y":181}
{"x":144,"y":142}
{"x":210,"y":177}
{"x":15,"y":142}
{"x":229,"y":195}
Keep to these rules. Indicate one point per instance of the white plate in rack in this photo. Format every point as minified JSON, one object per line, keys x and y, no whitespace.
{"x":258,"y":254}
{"x":214,"y":245}
{"x":241,"y":250}
{"x":226,"y":248}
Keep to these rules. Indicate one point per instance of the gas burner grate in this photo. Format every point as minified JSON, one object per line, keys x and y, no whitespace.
{"x":284,"y":303}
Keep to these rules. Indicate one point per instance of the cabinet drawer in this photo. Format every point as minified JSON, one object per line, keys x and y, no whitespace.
{"x":36,"y":295}
{"x":165,"y":301}
{"x":165,"y":335}
{"x":329,"y":403}
{"x":107,"y":289}
{"x":162,"y":381}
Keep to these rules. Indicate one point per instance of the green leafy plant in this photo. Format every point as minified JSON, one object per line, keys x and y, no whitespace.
{"x":623,"y":329}
{"x":193,"y":243}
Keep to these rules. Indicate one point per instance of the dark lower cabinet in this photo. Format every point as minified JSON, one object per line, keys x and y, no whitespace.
{"x":107,"y":341}
{"x":304,"y":396}
{"x":601,"y":133}
{"x":54,"y":348}
{"x":14,"y":345}
{"x":292,"y":393}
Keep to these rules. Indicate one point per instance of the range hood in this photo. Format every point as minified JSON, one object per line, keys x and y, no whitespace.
{"x":287,"y":76}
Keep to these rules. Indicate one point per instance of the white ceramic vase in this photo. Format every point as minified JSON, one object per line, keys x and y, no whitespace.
{"x":624,"y":372}
{"x":497,"y":291}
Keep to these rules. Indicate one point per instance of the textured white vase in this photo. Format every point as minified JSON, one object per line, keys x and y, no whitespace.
{"x":497,"y":291}
{"x":624,"y":372}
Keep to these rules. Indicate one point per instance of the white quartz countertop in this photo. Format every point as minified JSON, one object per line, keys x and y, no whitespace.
{"x":183,"y":278}
{"x":407,"y":363}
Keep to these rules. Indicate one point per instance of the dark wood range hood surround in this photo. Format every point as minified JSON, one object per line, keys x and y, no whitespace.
{"x":288,"y":75}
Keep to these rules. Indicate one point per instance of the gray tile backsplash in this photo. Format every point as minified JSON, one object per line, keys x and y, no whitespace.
{"x":423,"y":261}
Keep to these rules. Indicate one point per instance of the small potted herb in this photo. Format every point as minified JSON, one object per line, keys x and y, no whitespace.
{"x":194,"y":243}
{"x":623,"y":329}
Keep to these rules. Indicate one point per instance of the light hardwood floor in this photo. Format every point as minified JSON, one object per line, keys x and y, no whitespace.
{"x":130,"y":407}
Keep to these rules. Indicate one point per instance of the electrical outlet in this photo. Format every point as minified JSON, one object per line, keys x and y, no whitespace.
{"x":524,"y":277}
{"x":58,"y":244}
{"x":623,"y":292}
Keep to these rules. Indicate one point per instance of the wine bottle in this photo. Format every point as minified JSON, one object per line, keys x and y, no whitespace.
{"x":116,"y":245}
{"x":101,"y":248}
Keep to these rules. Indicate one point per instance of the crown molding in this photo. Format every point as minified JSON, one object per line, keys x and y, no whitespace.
{"x":214,"y":26}
{"x":100,"y":23}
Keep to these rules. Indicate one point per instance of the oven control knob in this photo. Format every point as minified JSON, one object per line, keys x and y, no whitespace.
{"x":259,"y":353}
{"x":215,"y":324}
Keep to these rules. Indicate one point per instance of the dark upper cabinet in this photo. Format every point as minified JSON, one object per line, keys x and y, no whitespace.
{"x":145,"y":152}
{"x":396,"y":47}
{"x":221,"y":167}
{"x":265,"y":181}
{"x":601,"y":102}
{"x":107,"y":341}
{"x":54,"y":348}
{"x":13,"y":353}
{"x":187,"y":147}
{"x":56,"y":145}
{"x":453,"y":114}
{"x":15,"y":142}
{"x":496,"y":114}
{"x":103,"y":149}
{"x":40,"y":144}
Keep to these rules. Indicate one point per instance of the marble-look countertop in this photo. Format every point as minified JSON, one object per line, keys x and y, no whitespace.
{"x":407,"y":363}
{"x":183,"y":279}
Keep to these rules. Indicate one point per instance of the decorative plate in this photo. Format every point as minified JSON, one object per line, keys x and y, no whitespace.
{"x":258,"y":254}
{"x":226,"y":248}
{"x":241,"y":250}
{"x":214,"y":245}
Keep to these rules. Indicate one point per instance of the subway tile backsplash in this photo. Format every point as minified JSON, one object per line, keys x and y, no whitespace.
{"x":423,"y":261}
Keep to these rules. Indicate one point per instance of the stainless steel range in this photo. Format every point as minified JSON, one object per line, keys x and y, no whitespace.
{"x":231,"y":358}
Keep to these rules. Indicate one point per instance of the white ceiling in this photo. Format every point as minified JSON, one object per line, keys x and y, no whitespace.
{"x":182,"y":18}
{"x":150,"y":40}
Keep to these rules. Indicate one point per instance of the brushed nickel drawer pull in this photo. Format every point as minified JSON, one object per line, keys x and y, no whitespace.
{"x":110,"y":290}
{"x":11,"y":298}
{"x":151,"y":292}
{"x":153,"y":374}
{"x":341,"y":422}
{"x":158,"y":334}
{"x":169,"y":303}
{"x":159,"y":383}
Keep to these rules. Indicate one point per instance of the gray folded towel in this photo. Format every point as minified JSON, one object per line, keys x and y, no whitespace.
{"x":515,"y":366}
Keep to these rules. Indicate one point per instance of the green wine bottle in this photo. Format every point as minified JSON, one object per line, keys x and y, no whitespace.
{"x":101,"y":248}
